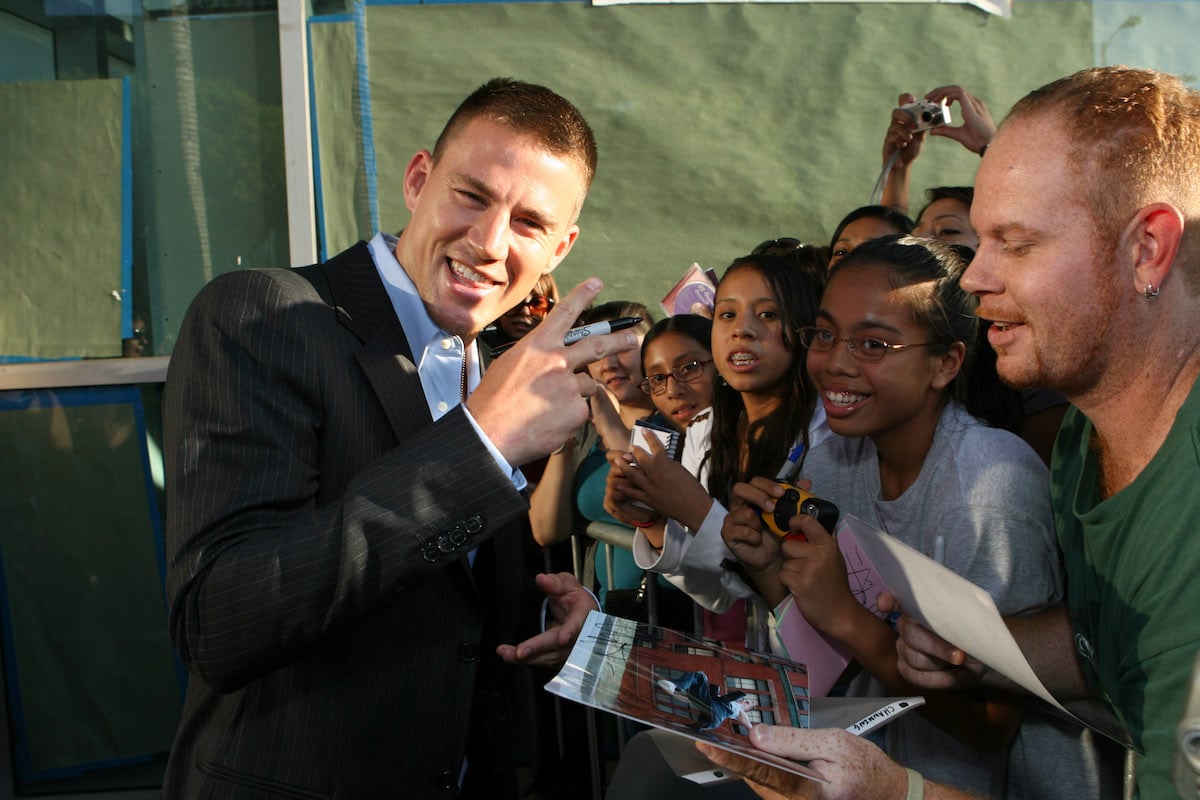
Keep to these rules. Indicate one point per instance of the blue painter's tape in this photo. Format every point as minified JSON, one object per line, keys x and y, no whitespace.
{"x":126,"y":208}
{"x":364,"y":106}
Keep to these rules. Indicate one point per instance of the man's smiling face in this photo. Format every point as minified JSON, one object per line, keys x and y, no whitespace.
{"x":1041,"y":273}
{"x":494,"y":213}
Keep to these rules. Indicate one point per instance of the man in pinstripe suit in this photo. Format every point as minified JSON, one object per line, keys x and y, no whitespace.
{"x":344,"y":564}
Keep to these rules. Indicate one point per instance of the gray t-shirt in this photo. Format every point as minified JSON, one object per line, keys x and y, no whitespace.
{"x":986,"y":494}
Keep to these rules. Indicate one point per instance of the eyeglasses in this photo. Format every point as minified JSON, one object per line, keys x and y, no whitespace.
{"x":867,"y":348}
{"x":684,"y":373}
{"x":539,"y":305}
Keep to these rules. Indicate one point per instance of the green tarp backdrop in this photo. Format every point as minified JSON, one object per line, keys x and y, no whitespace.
{"x":61,"y":218}
{"x":719,"y":126}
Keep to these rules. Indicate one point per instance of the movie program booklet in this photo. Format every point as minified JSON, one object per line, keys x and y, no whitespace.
{"x":700,"y":689}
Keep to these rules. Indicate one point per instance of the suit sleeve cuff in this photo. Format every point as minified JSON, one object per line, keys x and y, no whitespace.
{"x":515,"y":475}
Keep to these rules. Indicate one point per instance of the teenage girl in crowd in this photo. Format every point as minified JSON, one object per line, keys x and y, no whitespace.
{"x":762,"y":405}
{"x":891,"y":357}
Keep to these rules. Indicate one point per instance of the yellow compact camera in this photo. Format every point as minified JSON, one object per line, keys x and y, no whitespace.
{"x":797,"y":501}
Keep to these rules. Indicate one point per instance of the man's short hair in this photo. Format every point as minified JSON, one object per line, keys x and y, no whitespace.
{"x":1135,"y":135}
{"x":528,"y":109}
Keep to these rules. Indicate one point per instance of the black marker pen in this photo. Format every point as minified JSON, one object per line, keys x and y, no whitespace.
{"x":584,"y":331}
{"x":600,"y":328}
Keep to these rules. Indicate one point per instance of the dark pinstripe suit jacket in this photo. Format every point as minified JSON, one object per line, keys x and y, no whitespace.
{"x":318,"y":521}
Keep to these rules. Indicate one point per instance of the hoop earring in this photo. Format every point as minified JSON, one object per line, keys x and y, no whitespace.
{"x":1150,"y":292}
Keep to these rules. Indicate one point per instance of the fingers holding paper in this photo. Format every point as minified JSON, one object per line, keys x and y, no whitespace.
{"x":853,"y":766}
{"x":926,"y":659}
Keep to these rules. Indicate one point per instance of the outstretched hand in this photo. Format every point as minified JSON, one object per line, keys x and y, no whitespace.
{"x":974,"y":132}
{"x":814,"y":571}
{"x":567,"y":608}
{"x":622,"y":498}
{"x":650,"y":476}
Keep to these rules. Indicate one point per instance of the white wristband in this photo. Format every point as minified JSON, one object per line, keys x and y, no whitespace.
{"x":916,"y":785}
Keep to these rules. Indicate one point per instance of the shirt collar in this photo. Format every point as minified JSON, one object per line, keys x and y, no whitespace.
{"x":418,"y":326}
{"x":424,"y":336}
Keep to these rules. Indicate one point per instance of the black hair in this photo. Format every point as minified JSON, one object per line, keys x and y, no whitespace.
{"x":897,"y":219}
{"x":963,"y":194}
{"x":692,"y":326}
{"x":531,"y":109}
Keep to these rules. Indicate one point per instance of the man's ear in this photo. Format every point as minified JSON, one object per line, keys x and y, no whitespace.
{"x":564,"y":246}
{"x":949,"y":365}
{"x":1152,"y":240}
{"x":416,"y":174}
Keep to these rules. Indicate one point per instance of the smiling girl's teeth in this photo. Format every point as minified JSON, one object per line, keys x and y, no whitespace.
{"x":845,"y":398}
{"x":463,"y":271}
{"x":741,"y":358}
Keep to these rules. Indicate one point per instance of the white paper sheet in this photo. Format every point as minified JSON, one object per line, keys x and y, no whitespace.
{"x":949,"y":605}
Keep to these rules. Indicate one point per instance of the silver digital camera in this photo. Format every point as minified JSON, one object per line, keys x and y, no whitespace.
{"x":928,"y":114}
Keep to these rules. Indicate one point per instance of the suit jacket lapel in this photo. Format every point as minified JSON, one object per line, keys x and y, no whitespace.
{"x":385,"y":356}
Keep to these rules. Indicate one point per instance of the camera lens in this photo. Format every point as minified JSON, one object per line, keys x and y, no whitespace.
{"x":926,"y":116}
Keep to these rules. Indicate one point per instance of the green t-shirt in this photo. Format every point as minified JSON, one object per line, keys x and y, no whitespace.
{"x":1133,"y":582}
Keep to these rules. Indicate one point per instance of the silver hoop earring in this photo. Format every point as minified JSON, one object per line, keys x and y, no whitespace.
{"x":1149,"y":292}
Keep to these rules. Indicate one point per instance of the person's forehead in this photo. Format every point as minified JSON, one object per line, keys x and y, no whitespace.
{"x":473,"y":137}
{"x":673,"y":346}
{"x":944,"y":207}
{"x":745,"y":284}
{"x":1039,"y":144}
{"x":1028,"y":164}
{"x":866,"y":289}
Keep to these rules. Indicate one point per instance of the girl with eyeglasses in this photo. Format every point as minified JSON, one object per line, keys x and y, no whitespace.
{"x":763,"y":405}
{"x":891,"y":356}
{"x":678,"y":365}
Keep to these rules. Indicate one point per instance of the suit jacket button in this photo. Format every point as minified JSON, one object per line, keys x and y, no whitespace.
{"x":445,"y":780}
{"x":473,"y":524}
{"x":469,"y":651}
